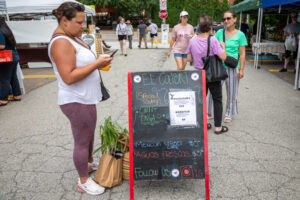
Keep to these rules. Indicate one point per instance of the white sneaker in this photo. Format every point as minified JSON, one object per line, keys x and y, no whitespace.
{"x":90,"y":187}
{"x":92,"y":166}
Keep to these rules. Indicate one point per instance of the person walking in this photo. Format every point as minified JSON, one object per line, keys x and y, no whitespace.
{"x":291,"y":32}
{"x":76,"y":68}
{"x":235,"y":42}
{"x":197,"y":49}
{"x":121,"y":32}
{"x":153,"y":33}
{"x":8,"y":70}
{"x":142,"y":33}
{"x":181,"y":34}
{"x":129,"y":30}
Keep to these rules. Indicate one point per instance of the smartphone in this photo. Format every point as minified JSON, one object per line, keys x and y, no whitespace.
{"x":115,"y":51}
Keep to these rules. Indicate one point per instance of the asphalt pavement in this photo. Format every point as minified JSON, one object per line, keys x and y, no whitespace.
{"x":259,"y":158}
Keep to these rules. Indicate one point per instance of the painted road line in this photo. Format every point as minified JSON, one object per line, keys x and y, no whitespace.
{"x":40,"y":76}
{"x":277,"y":70}
{"x":266,"y":60}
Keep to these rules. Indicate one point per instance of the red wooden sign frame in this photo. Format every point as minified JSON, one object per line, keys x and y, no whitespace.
{"x":131,"y":136}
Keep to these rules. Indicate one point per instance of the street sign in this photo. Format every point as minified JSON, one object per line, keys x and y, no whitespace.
{"x":164,"y":34}
{"x":163,"y":4}
{"x":163,"y":14}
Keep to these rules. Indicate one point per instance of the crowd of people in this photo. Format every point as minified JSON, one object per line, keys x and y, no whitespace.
{"x":77,"y":67}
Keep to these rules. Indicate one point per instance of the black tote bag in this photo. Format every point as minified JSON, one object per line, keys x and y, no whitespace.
{"x":215,"y":70}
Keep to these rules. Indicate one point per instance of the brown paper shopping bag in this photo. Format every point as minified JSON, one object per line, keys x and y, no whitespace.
{"x":109,"y":172}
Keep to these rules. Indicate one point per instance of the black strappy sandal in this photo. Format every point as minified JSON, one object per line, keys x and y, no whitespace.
{"x":208,"y":126}
{"x":224,"y":129}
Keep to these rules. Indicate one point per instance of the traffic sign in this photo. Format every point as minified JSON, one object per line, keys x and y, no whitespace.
{"x":163,"y":4}
{"x":163,"y":14}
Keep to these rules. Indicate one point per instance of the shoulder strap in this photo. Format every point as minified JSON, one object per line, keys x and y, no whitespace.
{"x":224,"y":35}
{"x":208,"y":45}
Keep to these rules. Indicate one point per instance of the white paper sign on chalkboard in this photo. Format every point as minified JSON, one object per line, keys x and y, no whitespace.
{"x":182,"y":106}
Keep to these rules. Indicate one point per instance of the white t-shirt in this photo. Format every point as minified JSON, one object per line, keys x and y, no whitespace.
{"x":122,"y":29}
{"x":153,"y":28}
{"x":88,"y":90}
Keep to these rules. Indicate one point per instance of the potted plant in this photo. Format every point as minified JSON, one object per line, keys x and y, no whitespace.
{"x":109,"y":133}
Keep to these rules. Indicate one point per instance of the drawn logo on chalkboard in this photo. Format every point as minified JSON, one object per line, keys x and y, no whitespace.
{"x":137,"y":79}
{"x":175,"y":173}
{"x":195,"y":76}
{"x":186,"y":171}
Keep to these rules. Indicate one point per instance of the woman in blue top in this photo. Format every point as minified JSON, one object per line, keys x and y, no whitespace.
{"x":8,"y":70}
{"x":235,"y":42}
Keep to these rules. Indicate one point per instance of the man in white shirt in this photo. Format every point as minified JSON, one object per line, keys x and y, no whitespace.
{"x":153,"y":33}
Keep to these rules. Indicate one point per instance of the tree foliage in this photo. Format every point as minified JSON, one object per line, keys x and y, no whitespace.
{"x":195,"y":8}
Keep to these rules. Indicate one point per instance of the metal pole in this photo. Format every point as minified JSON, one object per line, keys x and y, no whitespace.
{"x":256,"y":42}
{"x":259,"y":36}
{"x":7,"y":16}
{"x":241,"y":14}
{"x":297,"y":85}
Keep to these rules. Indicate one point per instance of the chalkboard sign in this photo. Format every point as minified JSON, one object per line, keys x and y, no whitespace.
{"x":167,"y":124}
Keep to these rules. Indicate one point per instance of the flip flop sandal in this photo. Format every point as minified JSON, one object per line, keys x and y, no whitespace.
{"x":3,"y":104}
{"x":224,"y":129}
{"x":16,"y":99}
{"x":208,"y":126}
{"x":227,"y":119}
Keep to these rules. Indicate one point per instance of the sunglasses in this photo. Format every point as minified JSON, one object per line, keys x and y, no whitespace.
{"x":294,"y":17}
{"x":227,"y":18}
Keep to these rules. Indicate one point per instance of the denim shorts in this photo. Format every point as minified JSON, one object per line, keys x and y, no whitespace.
{"x":180,"y":55}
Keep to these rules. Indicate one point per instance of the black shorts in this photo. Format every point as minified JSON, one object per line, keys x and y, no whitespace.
{"x":122,"y":37}
{"x":288,"y":53}
{"x":152,"y":35}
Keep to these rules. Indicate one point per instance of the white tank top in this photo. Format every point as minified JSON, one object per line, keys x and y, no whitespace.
{"x":86,"y":91}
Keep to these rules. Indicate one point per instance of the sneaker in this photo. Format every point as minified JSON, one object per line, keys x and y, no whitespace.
{"x":139,"y":46}
{"x":90,"y":187}
{"x":283,"y":70}
{"x":92,"y":166}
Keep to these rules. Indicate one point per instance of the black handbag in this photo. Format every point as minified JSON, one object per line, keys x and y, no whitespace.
{"x":230,"y":61}
{"x":104,"y":91}
{"x":215,"y":70}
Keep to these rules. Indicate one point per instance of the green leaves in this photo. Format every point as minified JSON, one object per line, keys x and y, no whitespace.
{"x":109,"y":133}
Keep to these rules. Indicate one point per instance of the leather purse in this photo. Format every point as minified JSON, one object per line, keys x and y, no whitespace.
{"x":230,"y":61}
{"x":215,"y":70}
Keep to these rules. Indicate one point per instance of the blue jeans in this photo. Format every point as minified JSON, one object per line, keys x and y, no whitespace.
{"x":180,"y":55}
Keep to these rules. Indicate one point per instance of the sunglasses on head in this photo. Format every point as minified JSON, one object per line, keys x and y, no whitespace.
{"x":227,"y":18}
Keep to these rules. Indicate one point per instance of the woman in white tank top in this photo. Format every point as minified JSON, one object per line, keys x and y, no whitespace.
{"x":76,"y":68}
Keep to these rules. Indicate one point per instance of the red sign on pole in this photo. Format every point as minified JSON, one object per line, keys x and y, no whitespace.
{"x":163,"y":14}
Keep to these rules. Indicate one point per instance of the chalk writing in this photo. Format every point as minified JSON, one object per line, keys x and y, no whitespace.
{"x":173,"y":79}
{"x":139,"y":173}
{"x":147,"y":79}
{"x":194,"y":143}
{"x":175,"y":154}
{"x":147,"y":144}
{"x":149,"y":116}
{"x":148,"y":98}
{"x":173,"y":144}
{"x":146,"y":155}
{"x":197,"y":153}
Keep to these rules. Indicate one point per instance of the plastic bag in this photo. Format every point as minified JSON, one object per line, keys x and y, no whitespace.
{"x":290,"y":43}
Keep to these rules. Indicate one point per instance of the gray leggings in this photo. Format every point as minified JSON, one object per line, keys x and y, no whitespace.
{"x":83,"y":123}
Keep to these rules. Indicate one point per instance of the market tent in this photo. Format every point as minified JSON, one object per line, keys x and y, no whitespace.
{"x":38,"y":6}
{"x":282,"y":3}
{"x":246,"y":6}
{"x":2,"y":5}
{"x":289,"y":6}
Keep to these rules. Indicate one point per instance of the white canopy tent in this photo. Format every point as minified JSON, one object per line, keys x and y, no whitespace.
{"x":37,"y":6}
